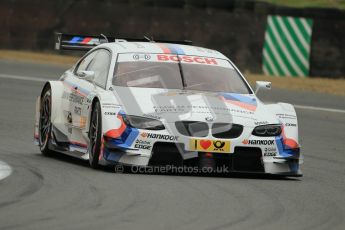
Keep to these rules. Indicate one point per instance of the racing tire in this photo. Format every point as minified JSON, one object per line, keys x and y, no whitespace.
{"x":45,"y":125}
{"x":95,"y":135}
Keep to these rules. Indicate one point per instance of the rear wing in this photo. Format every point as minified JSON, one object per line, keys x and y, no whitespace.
{"x":87,"y":42}
{"x":77,"y":42}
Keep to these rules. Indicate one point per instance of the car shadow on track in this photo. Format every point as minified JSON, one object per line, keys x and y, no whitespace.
{"x":74,"y":161}
{"x":128,"y":170}
{"x":233,"y":175}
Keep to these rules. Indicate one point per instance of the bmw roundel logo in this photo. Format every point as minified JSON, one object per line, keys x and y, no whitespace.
{"x":147,"y":57}
{"x":209,"y":118}
{"x":140,"y":57}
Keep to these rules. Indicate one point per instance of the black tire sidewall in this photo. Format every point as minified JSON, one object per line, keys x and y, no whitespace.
{"x":45,"y":148}
{"x":95,"y":156}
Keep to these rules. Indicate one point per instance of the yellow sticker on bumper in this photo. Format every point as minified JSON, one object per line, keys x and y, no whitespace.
{"x":209,"y":146}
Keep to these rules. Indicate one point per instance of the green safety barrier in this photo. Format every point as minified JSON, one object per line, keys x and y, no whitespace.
{"x":286,"y":50}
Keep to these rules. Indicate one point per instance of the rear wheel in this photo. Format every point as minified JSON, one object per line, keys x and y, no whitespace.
{"x":45,"y":124}
{"x":95,"y":133}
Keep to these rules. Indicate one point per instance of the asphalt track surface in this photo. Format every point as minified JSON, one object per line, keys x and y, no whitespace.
{"x":64,"y":193}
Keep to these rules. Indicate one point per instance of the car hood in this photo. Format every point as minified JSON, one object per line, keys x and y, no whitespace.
{"x":170,"y":105}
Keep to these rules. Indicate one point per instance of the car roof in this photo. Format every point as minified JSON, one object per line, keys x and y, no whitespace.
{"x":168,"y":48}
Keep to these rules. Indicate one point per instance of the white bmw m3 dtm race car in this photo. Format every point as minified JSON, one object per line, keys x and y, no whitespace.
{"x":142,"y":103}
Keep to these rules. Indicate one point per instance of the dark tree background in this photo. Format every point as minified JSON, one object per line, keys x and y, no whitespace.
{"x":235,"y":27}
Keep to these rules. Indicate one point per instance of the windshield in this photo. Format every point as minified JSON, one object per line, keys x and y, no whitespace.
{"x":178,"y":72}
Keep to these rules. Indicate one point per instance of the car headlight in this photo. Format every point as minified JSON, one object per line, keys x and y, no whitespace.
{"x":267,"y":130}
{"x":142,"y":122}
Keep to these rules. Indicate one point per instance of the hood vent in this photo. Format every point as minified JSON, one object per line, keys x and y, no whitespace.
{"x":192,"y":128}
{"x":226,"y":130}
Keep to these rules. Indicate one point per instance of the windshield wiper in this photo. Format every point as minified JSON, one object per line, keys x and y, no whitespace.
{"x":184,"y":85}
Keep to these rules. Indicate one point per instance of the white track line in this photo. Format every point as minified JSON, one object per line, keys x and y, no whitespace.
{"x":27,"y":78}
{"x":319,"y":108}
{"x":24,"y":78}
{"x":5,"y":170}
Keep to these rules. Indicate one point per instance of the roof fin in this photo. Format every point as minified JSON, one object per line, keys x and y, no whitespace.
{"x":105,"y":37}
{"x":148,"y":39}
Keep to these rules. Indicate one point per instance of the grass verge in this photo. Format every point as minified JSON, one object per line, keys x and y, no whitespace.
{"x":320,"y":85}
{"x":38,"y":57}
{"x":338,"y":4}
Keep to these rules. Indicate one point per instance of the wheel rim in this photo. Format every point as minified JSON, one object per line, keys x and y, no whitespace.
{"x":45,"y":124}
{"x":93,"y":132}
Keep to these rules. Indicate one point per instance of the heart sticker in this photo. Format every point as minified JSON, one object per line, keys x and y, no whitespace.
{"x":205,"y":144}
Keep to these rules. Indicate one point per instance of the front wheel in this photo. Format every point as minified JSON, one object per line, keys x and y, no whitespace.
{"x":95,"y":133}
{"x":45,"y":124}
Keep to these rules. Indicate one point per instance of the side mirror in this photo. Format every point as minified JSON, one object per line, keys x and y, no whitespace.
{"x":87,"y":75}
{"x":264,"y":85}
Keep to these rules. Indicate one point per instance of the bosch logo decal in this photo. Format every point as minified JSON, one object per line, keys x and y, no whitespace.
{"x":187,"y":59}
